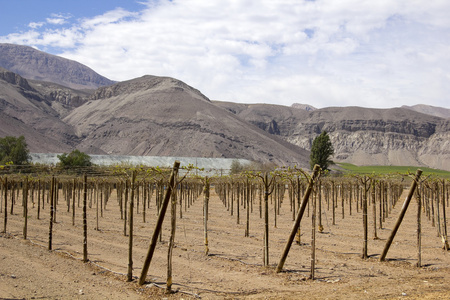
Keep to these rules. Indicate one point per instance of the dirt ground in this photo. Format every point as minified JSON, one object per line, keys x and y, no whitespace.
{"x":234,"y":267}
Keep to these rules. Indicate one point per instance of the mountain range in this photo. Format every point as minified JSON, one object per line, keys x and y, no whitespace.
{"x":60,"y":105}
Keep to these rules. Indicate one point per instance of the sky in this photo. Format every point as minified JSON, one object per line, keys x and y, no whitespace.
{"x":380,"y":54}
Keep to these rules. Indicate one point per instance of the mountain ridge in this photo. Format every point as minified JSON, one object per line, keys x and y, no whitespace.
{"x":31,"y":63}
{"x":163,"y":116}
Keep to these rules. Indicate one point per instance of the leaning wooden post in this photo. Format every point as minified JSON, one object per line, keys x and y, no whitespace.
{"x":159,"y":222}
{"x":314,"y":175}
{"x":402,"y":214}
{"x":85,"y":259}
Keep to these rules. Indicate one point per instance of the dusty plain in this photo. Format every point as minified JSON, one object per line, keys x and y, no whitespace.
{"x":233,"y":269}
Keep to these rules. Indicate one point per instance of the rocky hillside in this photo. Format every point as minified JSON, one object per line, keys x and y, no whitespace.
{"x":24,"y":111}
{"x":161,"y":116}
{"x":34,"y":64}
{"x":362,"y":136}
{"x":150,"y":115}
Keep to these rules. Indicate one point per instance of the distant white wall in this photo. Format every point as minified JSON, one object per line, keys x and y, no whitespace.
{"x":213,"y":166}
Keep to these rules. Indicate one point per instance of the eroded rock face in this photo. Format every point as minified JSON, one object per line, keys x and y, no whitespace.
{"x":362,"y":136}
{"x":14,"y":79}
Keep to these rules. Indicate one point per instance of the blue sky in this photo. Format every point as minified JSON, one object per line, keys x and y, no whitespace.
{"x":380,"y":53}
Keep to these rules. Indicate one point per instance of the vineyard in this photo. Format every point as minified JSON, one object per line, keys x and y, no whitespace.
{"x":131,"y":233}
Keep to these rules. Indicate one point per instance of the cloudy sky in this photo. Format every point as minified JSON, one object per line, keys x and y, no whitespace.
{"x":383,"y":53}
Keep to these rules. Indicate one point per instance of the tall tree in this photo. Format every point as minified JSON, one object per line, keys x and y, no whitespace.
{"x":321,"y":151}
{"x":14,"y":150}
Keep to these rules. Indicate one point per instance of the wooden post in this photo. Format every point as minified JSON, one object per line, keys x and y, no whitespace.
{"x":314,"y":175}
{"x":365,"y":219}
{"x":374,"y":209}
{"x":313,"y":237}
{"x":39,"y":199}
{"x":266,"y":219}
{"x":205,"y":214}
{"x":96,"y":206}
{"x":159,"y":222}
{"x":333,"y":206}
{"x":85,"y":259}
{"x":25,"y":207}
{"x":444,"y":220}
{"x":402,"y":214}
{"x":50,"y":230}
{"x":5,"y":184}
{"x":419,"y":228}
{"x":173,"y":226}
{"x":130,"y":234}
{"x":247,"y":200}
{"x":320,"y":206}
{"x":125,"y":218}
{"x":144,"y":199}
{"x":73,"y":200}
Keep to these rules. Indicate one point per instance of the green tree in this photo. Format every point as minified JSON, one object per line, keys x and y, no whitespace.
{"x":76,"y":158}
{"x":321,"y":151}
{"x":14,"y":150}
{"x":236,"y":167}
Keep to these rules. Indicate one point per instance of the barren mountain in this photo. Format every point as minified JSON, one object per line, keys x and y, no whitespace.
{"x":363,"y":136}
{"x":24,"y":111}
{"x":161,"y":116}
{"x":430,"y":110}
{"x":34,"y":64}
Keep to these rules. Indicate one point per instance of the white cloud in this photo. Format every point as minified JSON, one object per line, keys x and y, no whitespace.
{"x":35,"y":25}
{"x":327,"y":53}
{"x":58,"y":19}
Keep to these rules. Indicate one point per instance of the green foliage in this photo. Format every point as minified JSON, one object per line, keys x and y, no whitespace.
{"x":321,"y":151}
{"x":385,"y":170}
{"x":236,"y":167}
{"x":14,"y":150}
{"x":76,"y":158}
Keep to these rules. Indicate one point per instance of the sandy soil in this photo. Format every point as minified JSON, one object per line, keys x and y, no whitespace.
{"x":234,"y":267}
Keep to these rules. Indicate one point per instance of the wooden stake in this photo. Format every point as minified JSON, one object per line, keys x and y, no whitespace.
{"x":314,"y":175}
{"x":5,"y":184}
{"x":173,"y":226}
{"x":159,"y":222}
{"x":402,"y":214}
{"x":130,"y":234}
{"x":50,"y":230}
{"x":205,"y":214}
{"x":25,"y":207}
{"x":419,"y":228}
{"x":85,"y":259}
{"x":313,"y":237}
